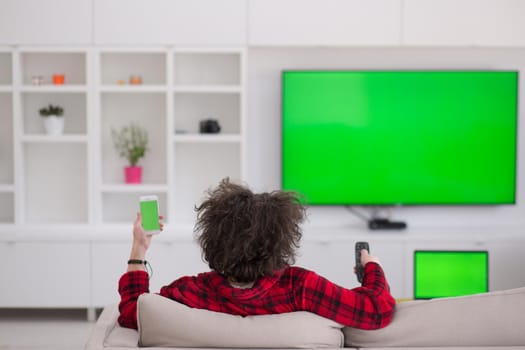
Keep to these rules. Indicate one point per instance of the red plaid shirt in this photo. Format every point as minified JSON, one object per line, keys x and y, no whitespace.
{"x":294,"y":289}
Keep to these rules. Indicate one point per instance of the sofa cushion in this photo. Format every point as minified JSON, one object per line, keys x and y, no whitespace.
{"x":489,"y":319}
{"x":166,"y":323}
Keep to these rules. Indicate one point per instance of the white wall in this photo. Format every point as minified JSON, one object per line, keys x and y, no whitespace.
{"x":264,"y":118}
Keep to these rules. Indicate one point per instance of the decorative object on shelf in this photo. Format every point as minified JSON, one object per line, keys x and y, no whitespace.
{"x":131,"y":143}
{"x":37,"y":80}
{"x":135,"y":80}
{"x":53,"y":119}
{"x":121,"y":82}
{"x":209,"y":126}
{"x":58,"y":79}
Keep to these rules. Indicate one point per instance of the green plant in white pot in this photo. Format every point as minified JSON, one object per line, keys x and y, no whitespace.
{"x":131,"y":142}
{"x":53,"y":119}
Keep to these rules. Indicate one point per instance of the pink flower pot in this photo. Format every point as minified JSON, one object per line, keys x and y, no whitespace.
{"x":133,"y":174}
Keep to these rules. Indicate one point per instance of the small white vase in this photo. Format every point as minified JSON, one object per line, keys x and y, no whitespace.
{"x":54,"y":125}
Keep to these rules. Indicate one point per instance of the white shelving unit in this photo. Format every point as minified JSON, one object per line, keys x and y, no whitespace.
{"x":54,"y":170}
{"x":77,"y":177}
{"x":179,"y":88}
{"x":119,"y":103}
{"x":207,"y":84}
{"x":68,"y":191}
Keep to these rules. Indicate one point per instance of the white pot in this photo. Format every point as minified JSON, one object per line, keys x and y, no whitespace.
{"x":54,"y":125}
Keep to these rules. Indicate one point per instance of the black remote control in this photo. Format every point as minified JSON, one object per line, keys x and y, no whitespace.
{"x":360,"y":269}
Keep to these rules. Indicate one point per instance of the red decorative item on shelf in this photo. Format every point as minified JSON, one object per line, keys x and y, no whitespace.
{"x":133,"y":174}
{"x":58,"y":79}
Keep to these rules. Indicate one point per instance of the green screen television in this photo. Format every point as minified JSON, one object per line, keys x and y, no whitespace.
{"x":440,"y":274}
{"x":400,"y":137}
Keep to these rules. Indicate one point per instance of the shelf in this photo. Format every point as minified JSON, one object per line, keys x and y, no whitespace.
{"x":121,"y":208}
{"x":190,"y":108}
{"x":207,"y":138}
{"x":39,"y":63}
{"x":201,"y":89}
{"x":132,"y":188}
{"x":55,"y":183}
{"x":6,"y":89}
{"x":146,"y":110}
{"x":54,"y":88}
{"x":207,"y":68}
{"x":122,"y":65}
{"x":73,"y":103}
{"x":133,"y":88}
{"x":54,"y":139}
{"x":198,"y":167}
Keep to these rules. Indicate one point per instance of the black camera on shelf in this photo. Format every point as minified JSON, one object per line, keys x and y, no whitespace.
{"x":209,"y":126}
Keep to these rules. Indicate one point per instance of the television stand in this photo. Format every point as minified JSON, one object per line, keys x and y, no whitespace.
{"x":386,"y":224}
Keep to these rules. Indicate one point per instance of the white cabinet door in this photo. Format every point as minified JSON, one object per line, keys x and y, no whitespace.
{"x":109,"y":262}
{"x":51,"y":274}
{"x":50,"y":22}
{"x":178,"y":22}
{"x":169,"y":261}
{"x":324,"y":22}
{"x":464,"y":22}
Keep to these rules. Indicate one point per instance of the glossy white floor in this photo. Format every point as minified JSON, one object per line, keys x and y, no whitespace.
{"x":44,"y":329}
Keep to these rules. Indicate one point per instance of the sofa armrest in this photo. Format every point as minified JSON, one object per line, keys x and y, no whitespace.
{"x":107,"y":334}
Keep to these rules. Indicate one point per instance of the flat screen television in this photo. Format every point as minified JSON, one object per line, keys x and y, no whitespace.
{"x":440,"y":274}
{"x":400,"y":137}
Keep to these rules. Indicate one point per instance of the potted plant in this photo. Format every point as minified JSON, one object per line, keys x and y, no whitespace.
{"x":53,"y":119}
{"x":131,"y":143}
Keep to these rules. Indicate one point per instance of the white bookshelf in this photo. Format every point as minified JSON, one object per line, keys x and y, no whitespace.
{"x":217,"y":89}
{"x":54,"y":171}
{"x":61,"y":195}
{"x":133,"y":89}
{"x":199,"y":138}
{"x":207,"y":84}
{"x":43,"y":139}
{"x":179,"y":88}
{"x":138,"y":188}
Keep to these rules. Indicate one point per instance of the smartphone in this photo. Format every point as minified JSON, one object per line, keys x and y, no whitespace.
{"x":149,"y":209}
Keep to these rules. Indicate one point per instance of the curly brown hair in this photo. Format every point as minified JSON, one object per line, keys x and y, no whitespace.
{"x":244,"y":235}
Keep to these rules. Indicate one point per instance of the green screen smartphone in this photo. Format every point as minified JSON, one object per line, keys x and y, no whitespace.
{"x":149,"y":209}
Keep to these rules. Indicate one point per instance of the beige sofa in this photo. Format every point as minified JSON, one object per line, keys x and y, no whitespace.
{"x":489,"y":321}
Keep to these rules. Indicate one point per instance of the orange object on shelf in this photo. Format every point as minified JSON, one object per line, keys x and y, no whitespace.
{"x":58,"y":79}
{"x":135,"y":80}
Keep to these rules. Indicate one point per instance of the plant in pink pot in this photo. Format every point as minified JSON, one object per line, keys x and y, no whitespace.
{"x":131,"y":143}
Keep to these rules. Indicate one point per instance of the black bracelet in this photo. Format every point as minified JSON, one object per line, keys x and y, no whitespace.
{"x":146,"y":264}
{"x":135,"y":262}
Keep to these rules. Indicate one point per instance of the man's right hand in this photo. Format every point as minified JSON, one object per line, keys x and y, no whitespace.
{"x":366,"y":258}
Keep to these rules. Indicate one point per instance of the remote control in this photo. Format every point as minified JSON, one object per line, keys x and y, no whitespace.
{"x":360,"y":270}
